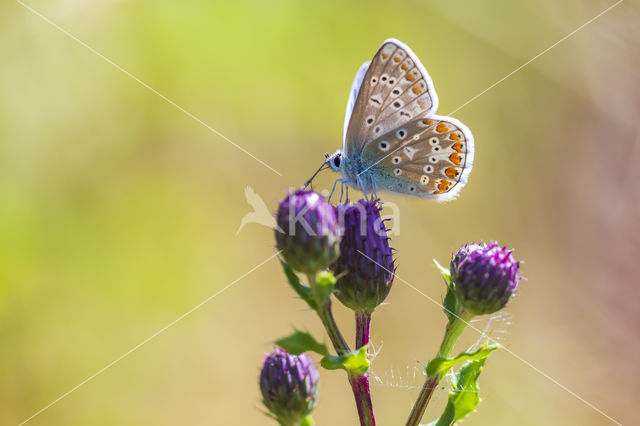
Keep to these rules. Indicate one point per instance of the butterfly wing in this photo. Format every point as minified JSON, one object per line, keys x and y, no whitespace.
{"x":395,"y":90}
{"x":353,"y":95}
{"x":430,"y":157}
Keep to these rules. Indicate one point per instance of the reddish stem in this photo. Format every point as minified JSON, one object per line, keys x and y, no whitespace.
{"x":360,"y":383}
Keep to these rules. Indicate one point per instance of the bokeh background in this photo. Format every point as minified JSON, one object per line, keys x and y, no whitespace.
{"x":118,"y":212}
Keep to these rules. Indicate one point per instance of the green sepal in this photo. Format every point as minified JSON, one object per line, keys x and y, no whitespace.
{"x":301,"y":341}
{"x":464,"y":396}
{"x":440,"y":366}
{"x":355,"y":362}
{"x":303,"y":291}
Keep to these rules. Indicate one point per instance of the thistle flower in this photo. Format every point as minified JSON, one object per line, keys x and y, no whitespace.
{"x":289,"y":386}
{"x":309,"y":232}
{"x":365,"y":268}
{"x":484,"y":277}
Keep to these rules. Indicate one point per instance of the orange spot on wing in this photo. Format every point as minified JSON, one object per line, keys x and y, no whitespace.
{"x":444,"y":185}
{"x":442,"y":128}
{"x":404,"y":66}
{"x":457,"y":147}
{"x":451,"y":172}
{"x":410,"y":77}
{"x":416,"y":89}
{"x":427,"y":122}
{"x":454,"y":136}
{"x":384,"y":55}
{"x":455,"y":158}
{"x":396,"y":59}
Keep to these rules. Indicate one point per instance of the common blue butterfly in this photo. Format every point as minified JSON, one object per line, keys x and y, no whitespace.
{"x":393,"y":140}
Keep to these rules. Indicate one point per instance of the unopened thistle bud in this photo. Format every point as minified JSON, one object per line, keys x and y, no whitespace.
{"x":365,"y":268}
{"x":289,"y":386}
{"x":484,"y":277}
{"x":309,"y":235}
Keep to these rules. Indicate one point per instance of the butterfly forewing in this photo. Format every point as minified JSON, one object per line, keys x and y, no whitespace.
{"x":429,"y":157}
{"x":394,"y":91}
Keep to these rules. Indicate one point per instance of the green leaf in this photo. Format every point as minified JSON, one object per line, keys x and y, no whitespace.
{"x":301,"y":341}
{"x":355,"y":362}
{"x":465,"y":396}
{"x":440,"y":366}
{"x":452,"y":308}
{"x":303,"y":291}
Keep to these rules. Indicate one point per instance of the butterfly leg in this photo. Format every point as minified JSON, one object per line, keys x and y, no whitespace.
{"x":334,"y":189}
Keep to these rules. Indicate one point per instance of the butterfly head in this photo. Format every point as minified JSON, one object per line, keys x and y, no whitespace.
{"x":335,"y":161}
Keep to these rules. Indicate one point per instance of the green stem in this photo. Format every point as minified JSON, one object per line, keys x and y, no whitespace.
{"x":453,"y":331}
{"x":359,"y":382}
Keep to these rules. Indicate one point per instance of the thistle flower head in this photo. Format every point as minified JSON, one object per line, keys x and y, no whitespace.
{"x":365,"y":268}
{"x":484,"y":277}
{"x":289,"y":386}
{"x":308,"y":233}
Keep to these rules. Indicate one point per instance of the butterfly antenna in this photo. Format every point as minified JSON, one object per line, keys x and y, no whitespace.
{"x":324,"y":166}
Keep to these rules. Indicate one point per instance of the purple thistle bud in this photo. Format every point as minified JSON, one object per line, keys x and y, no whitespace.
{"x":309,"y":234}
{"x":365,"y":268}
{"x":484,"y":277}
{"x":289,"y":386}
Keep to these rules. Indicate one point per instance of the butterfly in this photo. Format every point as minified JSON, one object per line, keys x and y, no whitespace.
{"x":392,"y":138}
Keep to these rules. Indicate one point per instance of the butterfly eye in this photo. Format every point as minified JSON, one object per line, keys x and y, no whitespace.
{"x":337,"y":161}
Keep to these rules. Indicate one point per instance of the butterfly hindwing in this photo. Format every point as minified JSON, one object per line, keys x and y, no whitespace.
{"x":353,"y":95}
{"x":429,"y":157}
{"x":394,"y":90}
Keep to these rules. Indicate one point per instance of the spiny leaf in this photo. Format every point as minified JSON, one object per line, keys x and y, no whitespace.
{"x":440,"y":365}
{"x":301,"y":341}
{"x":465,"y":396}
{"x":452,"y":307}
{"x":303,"y":291}
{"x":355,"y":362}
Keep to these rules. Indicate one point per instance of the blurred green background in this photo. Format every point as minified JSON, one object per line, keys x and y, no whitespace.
{"x":118,"y":212}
